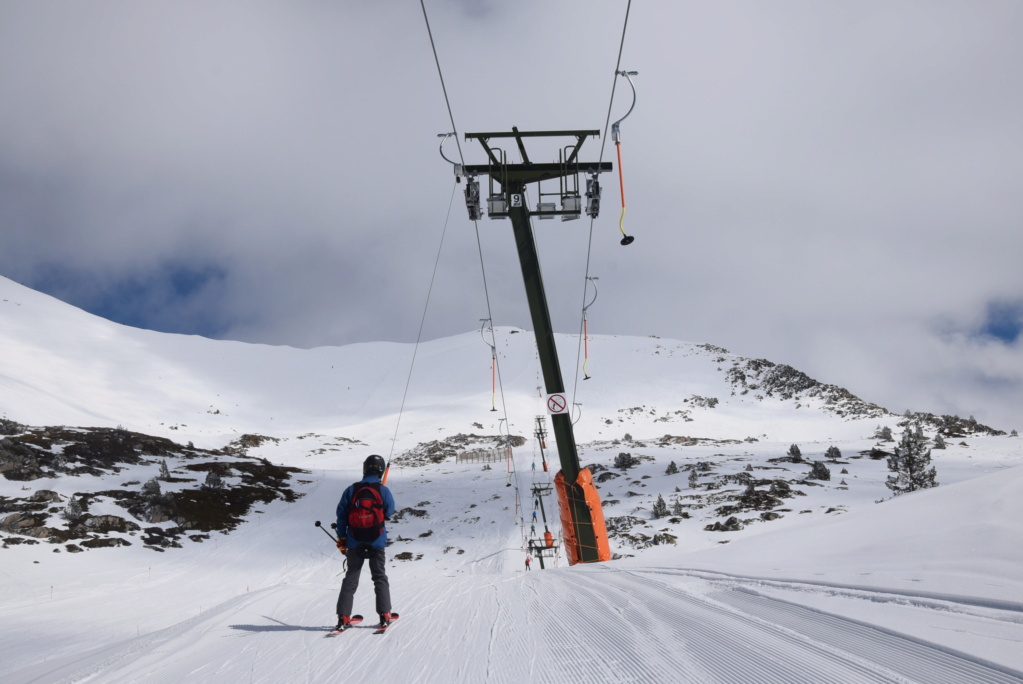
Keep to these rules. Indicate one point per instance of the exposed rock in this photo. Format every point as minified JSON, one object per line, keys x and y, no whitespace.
{"x":730,"y":525}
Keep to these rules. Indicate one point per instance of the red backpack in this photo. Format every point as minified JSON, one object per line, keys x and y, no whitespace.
{"x":366,"y":512}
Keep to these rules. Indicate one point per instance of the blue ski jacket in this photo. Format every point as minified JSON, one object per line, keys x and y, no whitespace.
{"x":342,"y":514}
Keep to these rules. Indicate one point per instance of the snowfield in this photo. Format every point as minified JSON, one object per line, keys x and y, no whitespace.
{"x":840,"y":583}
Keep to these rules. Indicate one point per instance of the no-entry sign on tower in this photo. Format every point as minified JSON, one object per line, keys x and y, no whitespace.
{"x":557,"y":404}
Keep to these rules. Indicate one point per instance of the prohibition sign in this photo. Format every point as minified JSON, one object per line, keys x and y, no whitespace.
{"x":557,"y":404}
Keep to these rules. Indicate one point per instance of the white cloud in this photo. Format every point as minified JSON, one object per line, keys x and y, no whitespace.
{"x":819,"y":185}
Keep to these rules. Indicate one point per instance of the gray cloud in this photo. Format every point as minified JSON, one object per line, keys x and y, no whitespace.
{"x":834,"y":187}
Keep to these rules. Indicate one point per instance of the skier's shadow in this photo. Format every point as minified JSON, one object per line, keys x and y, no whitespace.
{"x":278,"y":627}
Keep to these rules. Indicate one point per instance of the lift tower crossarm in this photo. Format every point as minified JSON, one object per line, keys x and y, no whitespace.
{"x":579,"y":136}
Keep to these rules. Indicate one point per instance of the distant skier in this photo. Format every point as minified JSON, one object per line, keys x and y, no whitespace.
{"x":534,"y":516}
{"x":362,"y":536}
{"x":528,"y":561}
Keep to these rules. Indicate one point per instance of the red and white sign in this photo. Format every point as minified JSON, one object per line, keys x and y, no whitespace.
{"x":557,"y":404}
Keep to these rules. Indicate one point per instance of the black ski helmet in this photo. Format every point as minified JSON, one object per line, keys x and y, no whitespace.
{"x":373,"y":465}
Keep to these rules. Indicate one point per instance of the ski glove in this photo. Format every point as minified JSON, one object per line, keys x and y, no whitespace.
{"x":342,"y":546}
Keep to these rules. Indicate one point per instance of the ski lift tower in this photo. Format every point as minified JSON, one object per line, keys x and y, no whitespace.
{"x":582,"y":518}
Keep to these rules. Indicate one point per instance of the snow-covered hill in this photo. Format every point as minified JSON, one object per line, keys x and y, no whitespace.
{"x":813,"y":581}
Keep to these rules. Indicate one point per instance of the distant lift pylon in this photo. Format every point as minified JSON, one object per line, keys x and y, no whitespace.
{"x":582,"y":519}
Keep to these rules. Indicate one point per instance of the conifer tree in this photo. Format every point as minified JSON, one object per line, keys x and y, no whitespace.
{"x":833,"y":453}
{"x":660,"y":508}
{"x":911,"y":465}
{"x":151,"y":489}
{"x":164,"y":470}
{"x":625,"y":460}
{"x":672,"y":469}
{"x":795,"y":454}
{"x":213,"y":483}
{"x":819,"y":471}
{"x":73,"y":511}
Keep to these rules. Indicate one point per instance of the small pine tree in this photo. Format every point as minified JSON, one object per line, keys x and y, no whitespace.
{"x":164,"y":471}
{"x":795,"y":454}
{"x":677,"y":509}
{"x":151,"y":489}
{"x":694,"y":479}
{"x":911,"y":464}
{"x":73,"y":510}
{"x":833,"y":453}
{"x":625,"y":460}
{"x":660,"y":508}
{"x":819,"y":471}
{"x":672,"y":469}
{"x":213,"y":483}
{"x":939,"y":441}
{"x":884,"y":434}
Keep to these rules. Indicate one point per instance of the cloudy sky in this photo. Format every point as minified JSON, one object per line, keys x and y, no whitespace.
{"x":836,"y":186}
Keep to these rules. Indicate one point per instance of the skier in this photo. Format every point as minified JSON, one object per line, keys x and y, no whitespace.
{"x":361,"y":537}
{"x":528,"y":561}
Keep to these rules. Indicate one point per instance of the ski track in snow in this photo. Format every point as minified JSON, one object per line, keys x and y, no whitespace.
{"x":591,"y":624}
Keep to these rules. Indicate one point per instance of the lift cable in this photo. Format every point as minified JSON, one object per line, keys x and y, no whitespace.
{"x":443,"y":87}
{"x":618,"y":66}
{"x":419,"y":336}
{"x":479,"y":244}
{"x":589,"y":244}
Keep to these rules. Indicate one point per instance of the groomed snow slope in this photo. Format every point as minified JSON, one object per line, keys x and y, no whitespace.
{"x":922,"y":588}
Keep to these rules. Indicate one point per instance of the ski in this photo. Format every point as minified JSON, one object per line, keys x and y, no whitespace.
{"x":381,"y":630}
{"x":356,"y":619}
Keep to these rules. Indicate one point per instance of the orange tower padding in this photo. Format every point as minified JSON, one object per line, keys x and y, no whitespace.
{"x":585,"y":490}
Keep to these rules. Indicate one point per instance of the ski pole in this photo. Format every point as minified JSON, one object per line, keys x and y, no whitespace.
{"x":317,"y":523}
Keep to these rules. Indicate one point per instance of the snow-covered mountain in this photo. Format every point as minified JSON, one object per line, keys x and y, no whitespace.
{"x":757,"y":572}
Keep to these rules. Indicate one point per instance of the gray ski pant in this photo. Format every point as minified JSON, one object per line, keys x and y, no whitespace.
{"x":356,"y":557}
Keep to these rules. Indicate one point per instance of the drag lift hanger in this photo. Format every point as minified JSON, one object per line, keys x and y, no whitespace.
{"x":616,"y":136}
{"x":591,"y":280}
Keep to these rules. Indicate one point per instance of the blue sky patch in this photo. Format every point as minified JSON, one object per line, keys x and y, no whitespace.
{"x":1004,"y":321}
{"x":173,"y":297}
